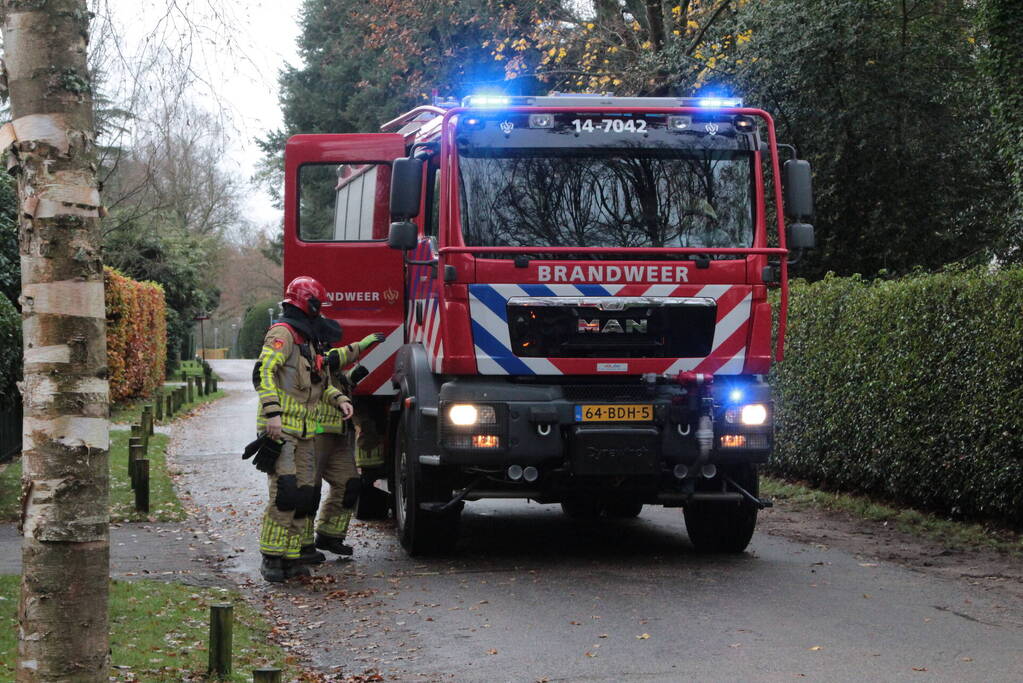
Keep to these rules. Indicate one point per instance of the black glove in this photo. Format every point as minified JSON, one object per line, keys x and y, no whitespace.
{"x":266,"y":451}
{"x":358,"y":374}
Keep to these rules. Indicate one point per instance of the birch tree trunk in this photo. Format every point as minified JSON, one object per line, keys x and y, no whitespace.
{"x":63,"y":609}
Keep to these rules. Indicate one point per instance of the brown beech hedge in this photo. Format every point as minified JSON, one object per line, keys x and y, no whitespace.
{"x":909,"y":389}
{"x":136,"y":336}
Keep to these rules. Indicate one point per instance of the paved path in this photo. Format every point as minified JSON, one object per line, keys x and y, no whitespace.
{"x":531,"y":595}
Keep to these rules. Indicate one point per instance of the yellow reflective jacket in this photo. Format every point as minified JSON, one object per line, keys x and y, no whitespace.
{"x":290,"y":384}
{"x":329,"y":417}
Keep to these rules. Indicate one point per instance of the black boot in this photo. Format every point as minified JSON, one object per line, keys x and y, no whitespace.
{"x":293,"y":568}
{"x":272,"y":568}
{"x":310,"y":555}
{"x":333,"y":544}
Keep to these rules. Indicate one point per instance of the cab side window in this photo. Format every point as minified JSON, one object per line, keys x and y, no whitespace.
{"x":341,"y":202}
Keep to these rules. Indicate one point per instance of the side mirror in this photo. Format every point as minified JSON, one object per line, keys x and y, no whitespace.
{"x":798,"y":190}
{"x":403,"y":235}
{"x":406,"y":188}
{"x":800,"y":236}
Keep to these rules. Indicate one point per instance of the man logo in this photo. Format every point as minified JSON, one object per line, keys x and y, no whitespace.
{"x":612,"y":326}
{"x":391,"y":296}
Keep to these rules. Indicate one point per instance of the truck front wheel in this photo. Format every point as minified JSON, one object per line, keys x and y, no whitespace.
{"x":720,"y":527}
{"x":421,"y":532}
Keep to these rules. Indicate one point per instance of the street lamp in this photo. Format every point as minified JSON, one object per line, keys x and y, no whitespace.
{"x":202,"y":334}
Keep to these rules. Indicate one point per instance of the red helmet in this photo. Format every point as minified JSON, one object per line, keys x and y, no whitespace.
{"x":306,"y":294}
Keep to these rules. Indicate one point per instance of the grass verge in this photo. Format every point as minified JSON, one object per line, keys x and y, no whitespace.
{"x":130,"y":412}
{"x":164,"y":505}
{"x":953,"y":534}
{"x":159,"y":632}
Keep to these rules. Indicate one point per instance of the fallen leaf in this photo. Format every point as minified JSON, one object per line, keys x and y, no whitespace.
{"x":643,"y":636}
{"x":817,"y":647}
{"x":919,"y":668}
{"x":967,"y":659}
{"x":491,"y":652}
{"x":602,"y":635}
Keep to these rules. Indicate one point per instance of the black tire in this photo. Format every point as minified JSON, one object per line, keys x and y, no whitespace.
{"x":623,"y":509}
{"x":581,"y":509}
{"x":421,"y":532}
{"x":373,"y":503}
{"x":715,"y":527}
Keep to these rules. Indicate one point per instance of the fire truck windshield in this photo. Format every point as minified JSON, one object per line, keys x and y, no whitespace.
{"x":622,"y":196}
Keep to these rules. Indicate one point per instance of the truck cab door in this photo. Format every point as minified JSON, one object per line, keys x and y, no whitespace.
{"x":336,"y":219}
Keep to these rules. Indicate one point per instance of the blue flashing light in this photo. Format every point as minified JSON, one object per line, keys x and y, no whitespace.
{"x":719,"y":102}
{"x":488,"y":101}
{"x":735,"y":395}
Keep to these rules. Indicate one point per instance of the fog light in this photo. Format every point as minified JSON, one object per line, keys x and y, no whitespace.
{"x":463,"y":414}
{"x":485,"y":441}
{"x":754,"y":414}
{"x":680,"y":471}
{"x":530,"y":474}
{"x":679,"y":123}
{"x":744,"y":124}
{"x":733,"y":440}
{"x":515,"y":472}
{"x":541,"y":120}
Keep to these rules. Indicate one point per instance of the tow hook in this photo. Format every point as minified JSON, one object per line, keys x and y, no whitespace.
{"x":761,"y":503}
{"x":458,"y":498}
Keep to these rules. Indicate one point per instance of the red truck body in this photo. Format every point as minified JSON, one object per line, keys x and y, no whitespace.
{"x":554,"y":314}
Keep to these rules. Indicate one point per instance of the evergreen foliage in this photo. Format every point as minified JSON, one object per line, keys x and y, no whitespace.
{"x":10,"y":354}
{"x":254,"y":327}
{"x":909,"y":389}
{"x":1002,"y":20}
{"x":882,"y":96}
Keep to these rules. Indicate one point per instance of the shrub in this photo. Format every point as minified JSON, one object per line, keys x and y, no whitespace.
{"x":136,"y":336}
{"x":254,"y":327}
{"x":910,"y":389}
{"x":10,"y":354}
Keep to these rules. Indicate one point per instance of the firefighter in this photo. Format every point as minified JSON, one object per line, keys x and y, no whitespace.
{"x":290,"y":377}
{"x":334,"y":458}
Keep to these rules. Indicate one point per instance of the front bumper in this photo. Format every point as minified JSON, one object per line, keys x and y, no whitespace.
{"x":539,"y":425}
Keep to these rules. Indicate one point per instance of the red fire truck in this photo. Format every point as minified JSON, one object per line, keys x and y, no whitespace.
{"x":574,"y":294}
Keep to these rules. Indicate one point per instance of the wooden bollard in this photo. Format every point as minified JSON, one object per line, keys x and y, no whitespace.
{"x":266,"y":676}
{"x":221,"y":627}
{"x":214,"y":385}
{"x":180,"y":399}
{"x":158,"y":406}
{"x":189,"y":390}
{"x":198,"y":388}
{"x":147,"y":420}
{"x":135,"y":454}
{"x":142,"y":485}
{"x":168,"y":405}
{"x":209,"y":384}
{"x":140,"y":433}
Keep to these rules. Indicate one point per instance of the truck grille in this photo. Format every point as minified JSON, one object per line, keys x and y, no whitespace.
{"x":611,"y":327}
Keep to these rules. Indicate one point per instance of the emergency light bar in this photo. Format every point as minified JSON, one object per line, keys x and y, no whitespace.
{"x":586,"y":100}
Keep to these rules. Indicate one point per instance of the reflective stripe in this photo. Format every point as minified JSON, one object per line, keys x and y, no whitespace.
{"x":278,"y":540}
{"x":336,"y":526}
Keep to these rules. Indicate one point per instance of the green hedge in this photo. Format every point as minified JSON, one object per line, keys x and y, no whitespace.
{"x":10,"y":353}
{"x":254,"y":327}
{"x":911,"y":389}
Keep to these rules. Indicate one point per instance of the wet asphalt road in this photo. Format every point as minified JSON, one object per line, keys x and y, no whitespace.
{"x":532,"y":595}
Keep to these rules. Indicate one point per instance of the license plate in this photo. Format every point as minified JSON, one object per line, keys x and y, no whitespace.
{"x":643,"y":412}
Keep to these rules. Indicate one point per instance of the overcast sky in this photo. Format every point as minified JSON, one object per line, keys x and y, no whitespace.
{"x":238,"y":47}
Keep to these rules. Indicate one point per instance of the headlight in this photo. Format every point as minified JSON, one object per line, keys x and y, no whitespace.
{"x":463,"y":414}
{"x":467,"y":414}
{"x":753,"y":414}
